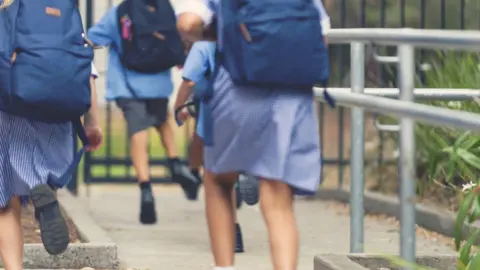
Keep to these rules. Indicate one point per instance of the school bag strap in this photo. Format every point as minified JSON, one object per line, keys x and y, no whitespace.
{"x":79,"y":130}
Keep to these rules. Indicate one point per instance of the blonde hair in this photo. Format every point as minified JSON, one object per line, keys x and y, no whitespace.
{"x":6,"y":3}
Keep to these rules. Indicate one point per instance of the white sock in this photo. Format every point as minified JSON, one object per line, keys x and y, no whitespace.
{"x":224,"y":268}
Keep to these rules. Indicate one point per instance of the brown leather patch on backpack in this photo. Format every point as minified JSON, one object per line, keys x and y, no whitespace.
{"x":159,"y":35}
{"x":53,"y":11}
{"x":151,"y":9}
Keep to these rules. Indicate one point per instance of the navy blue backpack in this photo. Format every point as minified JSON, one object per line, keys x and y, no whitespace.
{"x":45,"y":65}
{"x":273,"y":43}
{"x":150,"y":39}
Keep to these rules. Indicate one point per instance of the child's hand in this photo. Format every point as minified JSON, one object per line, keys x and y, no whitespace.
{"x":183,"y":115}
{"x":95,"y":136}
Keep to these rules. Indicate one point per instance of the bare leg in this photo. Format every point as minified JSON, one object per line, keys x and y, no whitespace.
{"x":220,"y":216}
{"x":167,"y":139}
{"x":180,"y":172}
{"x":11,"y":236}
{"x":195,"y":157}
{"x":140,"y":160}
{"x":276,"y":202}
{"x":139,"y":154}
{"x":234,"y":206}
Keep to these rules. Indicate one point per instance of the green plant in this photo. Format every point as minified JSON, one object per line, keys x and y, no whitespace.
{"x":444,"y":154}
{"x":468,"y":213}
{"x":452,"y":157}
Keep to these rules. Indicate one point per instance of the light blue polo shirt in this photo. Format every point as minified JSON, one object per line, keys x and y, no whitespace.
{"x":106,"y":33}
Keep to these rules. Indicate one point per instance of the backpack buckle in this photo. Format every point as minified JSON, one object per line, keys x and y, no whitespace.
{"x":89,"y":43}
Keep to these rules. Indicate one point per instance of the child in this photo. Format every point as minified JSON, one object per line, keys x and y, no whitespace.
{"x":31,"y":153}
{"x":269,"y":134}
{"x":143,"y":99}
{"x":196,"y":73}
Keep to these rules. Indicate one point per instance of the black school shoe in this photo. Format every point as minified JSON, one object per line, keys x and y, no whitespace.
{"x":238,"y":239}
{"x":148,"y":215}
{"x":238,"y":196}
{"x":248,"y":189}
{"x":182,"y":175}
{"x":53,"y":228}
{"x":193,"y":196}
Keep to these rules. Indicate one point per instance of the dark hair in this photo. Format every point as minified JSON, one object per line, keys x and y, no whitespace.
{"x":210,"y":32}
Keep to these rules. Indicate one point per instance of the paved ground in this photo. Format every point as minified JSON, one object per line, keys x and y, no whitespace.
{"x":179,"y":241}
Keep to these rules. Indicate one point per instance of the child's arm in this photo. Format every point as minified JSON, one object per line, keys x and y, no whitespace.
{"x":103,"y":32}
{"x":194,"y":70}
{"x":91,"y":123}
{"x":184,"y":92}
{"x":91,"y":117}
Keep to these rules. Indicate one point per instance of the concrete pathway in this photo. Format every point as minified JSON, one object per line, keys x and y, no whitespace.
{"x":180,"y":241}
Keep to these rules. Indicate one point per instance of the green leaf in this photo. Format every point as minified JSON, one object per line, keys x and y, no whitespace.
{"x":433,"y":165}
{"x":474,"y":264}
{"x":475,"y":211}
{"x":452,"y":162}
{"x":463,"y":139}
{"x":461,"y":217}
{"x":466,"y":249}
{"x":472,"y":142}
{"x":469,"y":158}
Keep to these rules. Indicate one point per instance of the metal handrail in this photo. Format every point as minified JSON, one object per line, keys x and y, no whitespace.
{"x":423,"y":113}
{"x":360,"y":99}
{"x":431,"y":94}
{"x":420,"y":38}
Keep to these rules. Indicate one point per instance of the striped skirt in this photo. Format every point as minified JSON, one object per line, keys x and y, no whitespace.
{"x":31,"y":153}
{"x":270,"y":134}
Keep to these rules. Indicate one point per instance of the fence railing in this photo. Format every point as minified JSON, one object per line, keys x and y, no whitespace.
{"x":453,"y":14}
{"x":406,"y":40}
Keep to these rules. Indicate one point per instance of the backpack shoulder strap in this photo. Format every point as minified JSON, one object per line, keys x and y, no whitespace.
{"x":79,"y":130}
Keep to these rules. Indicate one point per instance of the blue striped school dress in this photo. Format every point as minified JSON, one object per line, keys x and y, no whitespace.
{"x":31,"y":153}
{"x":262,"y":132}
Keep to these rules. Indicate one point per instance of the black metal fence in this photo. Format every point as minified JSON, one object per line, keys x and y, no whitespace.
{"x":112,"y":165}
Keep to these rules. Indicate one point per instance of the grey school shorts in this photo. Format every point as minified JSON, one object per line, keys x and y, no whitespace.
{"x":141,"y":114}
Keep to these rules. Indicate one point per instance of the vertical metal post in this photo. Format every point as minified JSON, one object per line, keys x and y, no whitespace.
{"x":89,"y":18}
{"x":407,"y":168}
{"x":72,"y":185}
{"x":357,"y":58}
{"x":340,"y":69}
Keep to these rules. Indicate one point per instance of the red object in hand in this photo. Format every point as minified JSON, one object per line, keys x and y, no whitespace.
{"x":180,"y":67}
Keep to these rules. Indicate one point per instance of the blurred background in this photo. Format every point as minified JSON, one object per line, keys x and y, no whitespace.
{"x":445,"y":156}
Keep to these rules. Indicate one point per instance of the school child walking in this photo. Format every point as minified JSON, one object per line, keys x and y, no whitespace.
{"x":44,"y":91}
{"x":196,"y":75}
{"x":144,"y":45}
{"x":262,"y":117}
